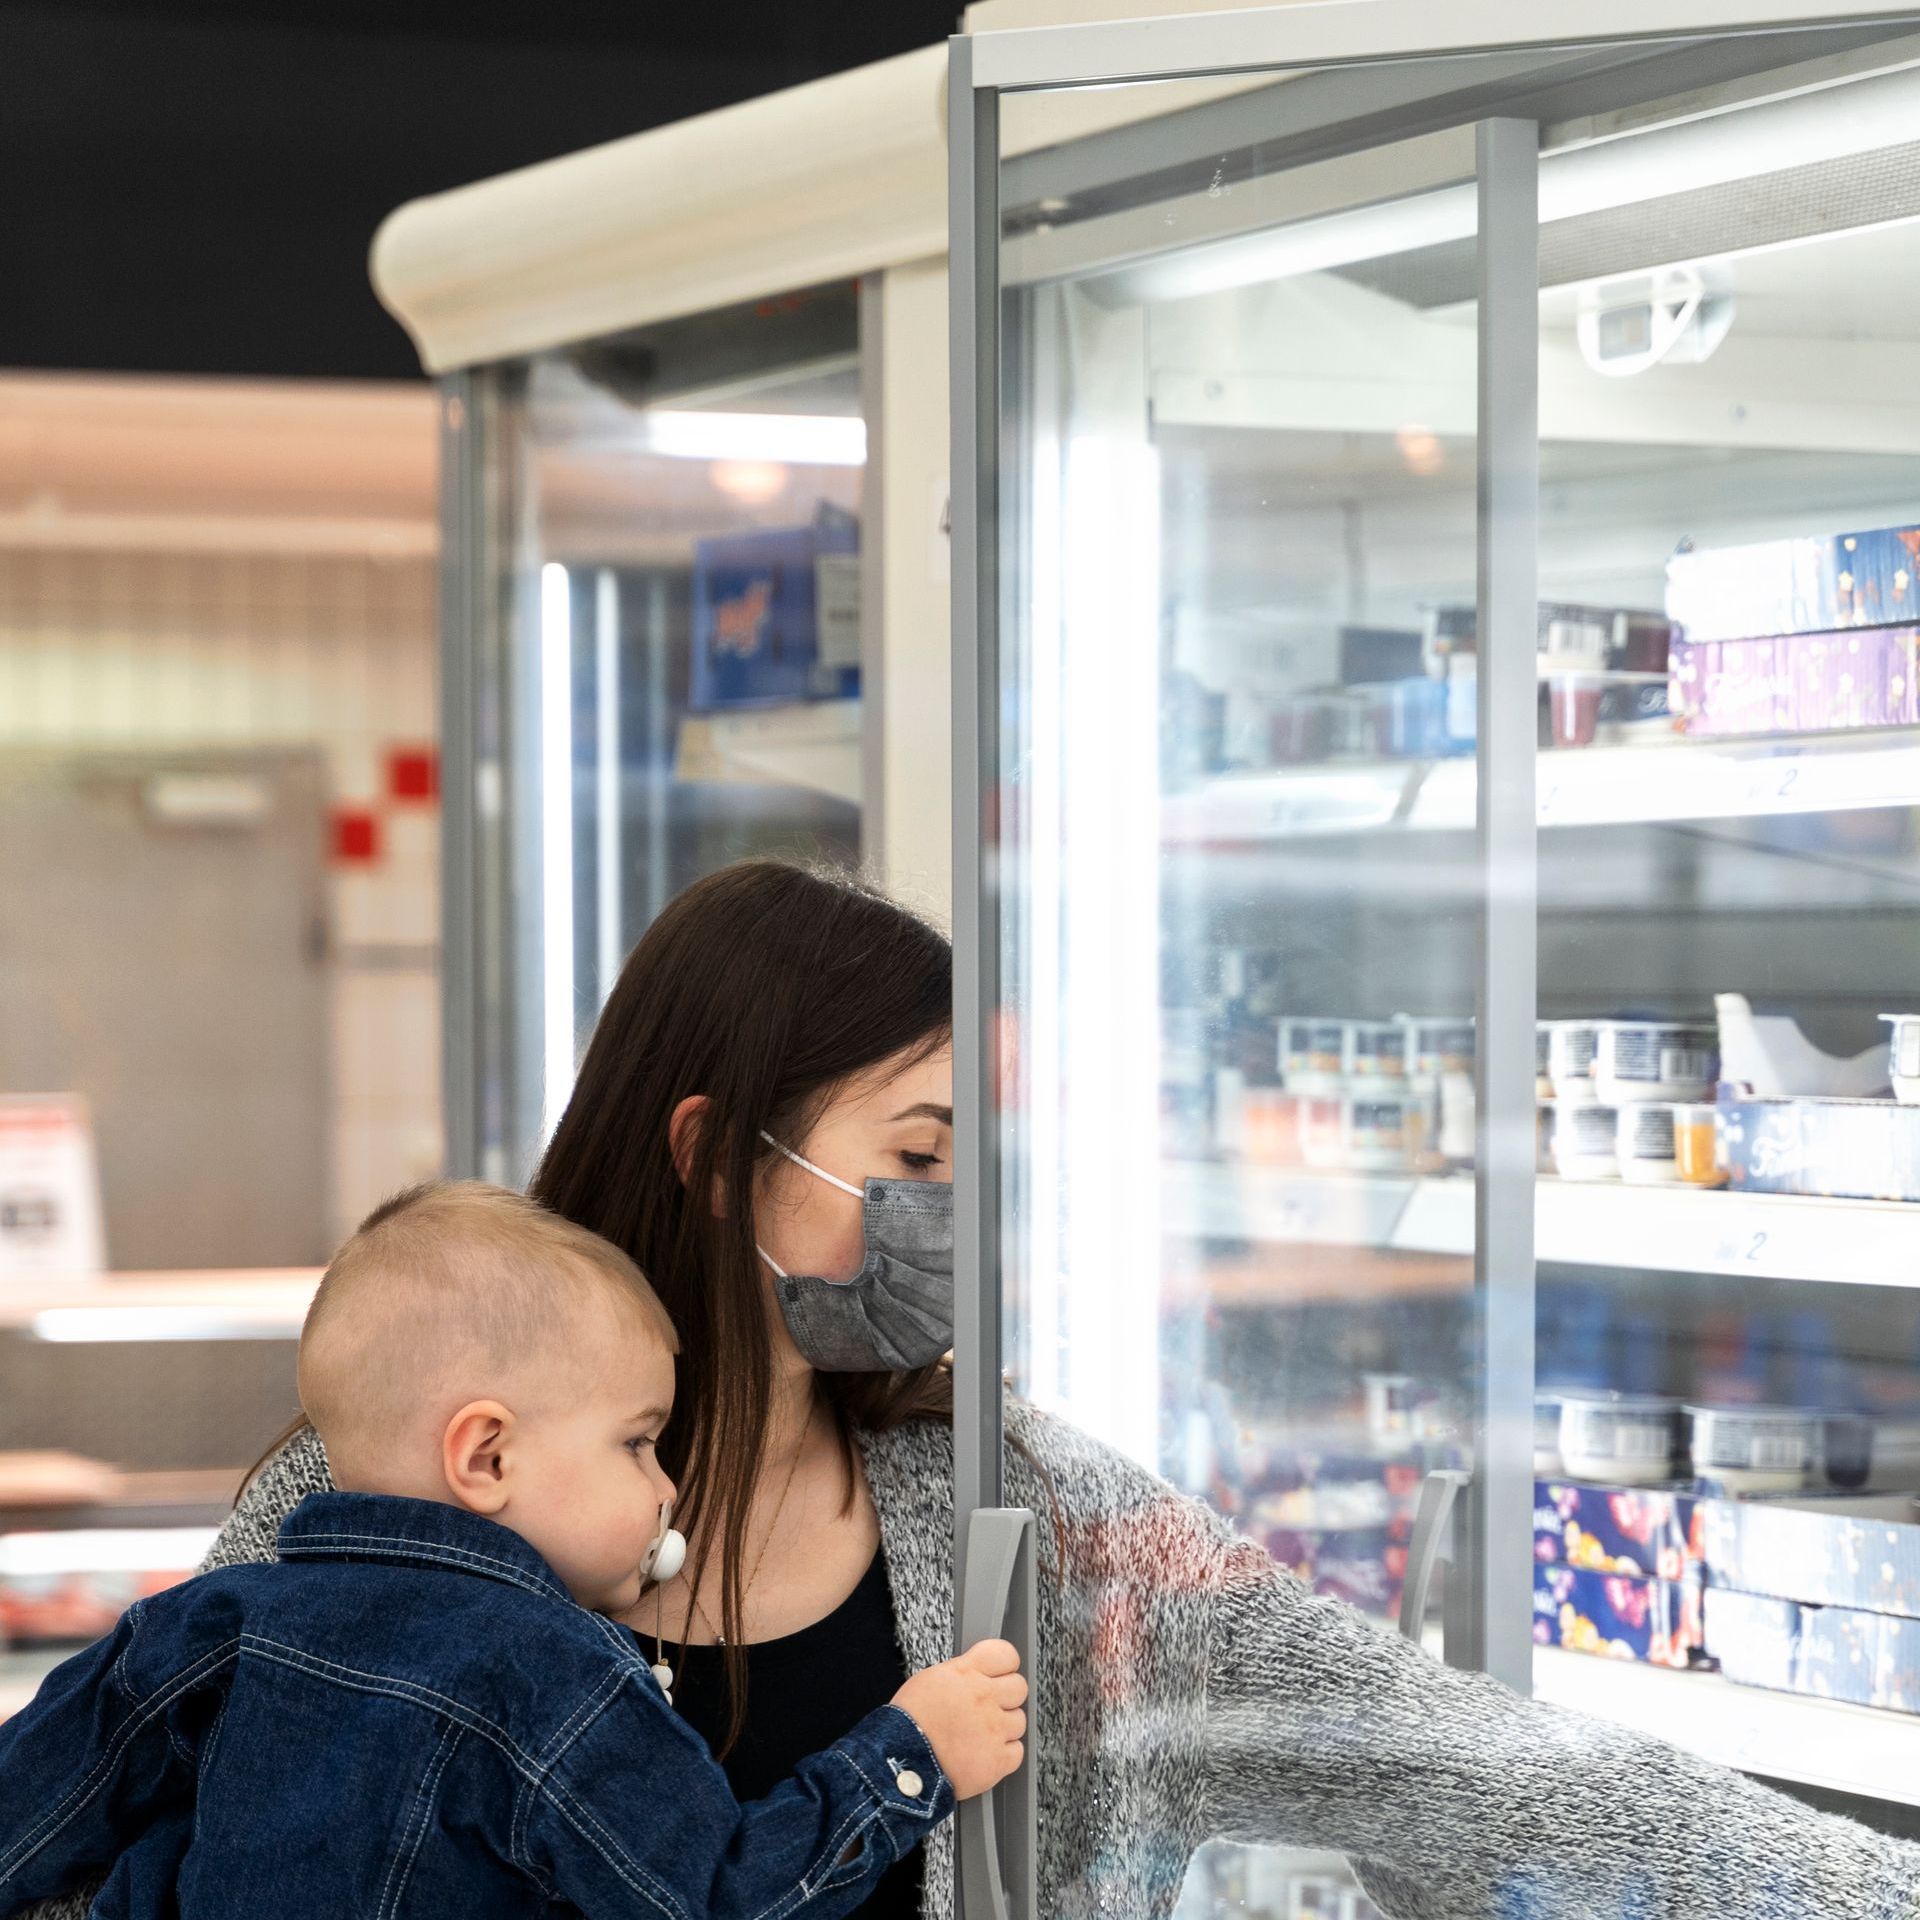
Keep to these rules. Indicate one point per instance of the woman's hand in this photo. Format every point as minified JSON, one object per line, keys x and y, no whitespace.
{"x":970,"y":1710}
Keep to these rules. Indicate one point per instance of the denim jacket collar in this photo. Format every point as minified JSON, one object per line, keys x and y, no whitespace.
{"x":387,"y":1529}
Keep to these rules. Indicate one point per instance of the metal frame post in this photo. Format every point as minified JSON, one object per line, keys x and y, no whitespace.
{"x":1497,"y":1558}
{"x":974,"y":294}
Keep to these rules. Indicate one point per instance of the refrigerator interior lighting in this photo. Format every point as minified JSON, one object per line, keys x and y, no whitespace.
{"x":1098,"y":811}
{"x":793,"y":439}
{"x":1776,"y":152}
{"x":556,"y":838}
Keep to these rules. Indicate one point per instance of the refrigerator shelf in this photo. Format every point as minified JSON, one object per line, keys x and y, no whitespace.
{"x":1668,"y":1229}
{"x":1583,"y":787}
{"x":1818,"y":1743}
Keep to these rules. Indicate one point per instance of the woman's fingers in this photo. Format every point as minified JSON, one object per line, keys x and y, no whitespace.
{"x":1016,"y":1725}
{"x":1010,"y":1690}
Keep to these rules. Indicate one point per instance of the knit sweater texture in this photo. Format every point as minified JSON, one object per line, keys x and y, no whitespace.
{"x":1186,"y":1689}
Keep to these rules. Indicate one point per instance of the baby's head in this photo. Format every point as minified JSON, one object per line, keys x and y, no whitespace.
{"x":468,"y":1346}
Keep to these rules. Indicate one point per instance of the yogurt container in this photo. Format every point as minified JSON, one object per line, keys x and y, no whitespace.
{"x":1619,"y":1439}
{"x":1641,"y":1060}
{"x":1586,"y":1142}
{"x":1755,"y":1449}
{"x":1375,"y":1054}
{"x":1312,"y":1055}
{"x":1571,"y":1045}
{"x":1644,"y":1144}
{"x":1546,"y":1434}
{"x":1386,"y":1131}
{"x":1436,"y":1048}
{"x":1905,"y":1056}
{"x":1696,"y":1150}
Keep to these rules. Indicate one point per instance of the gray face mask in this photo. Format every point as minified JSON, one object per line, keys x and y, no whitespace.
{"x":897,"y":1311}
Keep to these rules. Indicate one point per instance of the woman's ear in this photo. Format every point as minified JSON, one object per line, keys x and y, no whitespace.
{"x":476,"y":1456}
{"x":683,"y":1141}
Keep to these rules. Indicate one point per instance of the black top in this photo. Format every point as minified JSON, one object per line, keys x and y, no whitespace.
{"x":803,"y":1692}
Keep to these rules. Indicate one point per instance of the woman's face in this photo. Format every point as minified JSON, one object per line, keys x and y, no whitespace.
{"x":892,"y":1122}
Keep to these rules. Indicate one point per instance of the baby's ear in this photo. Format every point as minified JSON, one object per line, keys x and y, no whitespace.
{"x":475,"y":1455}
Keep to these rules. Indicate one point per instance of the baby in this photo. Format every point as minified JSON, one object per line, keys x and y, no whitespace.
{"x":420,"y":1708}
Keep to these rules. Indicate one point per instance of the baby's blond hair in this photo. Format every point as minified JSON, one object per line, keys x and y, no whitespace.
{"x":446,"y":1287}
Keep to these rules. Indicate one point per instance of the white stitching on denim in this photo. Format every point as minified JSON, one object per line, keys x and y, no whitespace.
{"x":50,"y":1823}
{"x":589,"y":1708}
{"x":580,"y":1818}
{"x":359,"y":1681}
{"x":387,"y":1546}
{"x":131,"y":1620}
{"x":418,"y":1816}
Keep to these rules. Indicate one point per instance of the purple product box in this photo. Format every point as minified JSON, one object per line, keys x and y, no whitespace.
{"x":1807,"y":585}
{"x":1655,"y":1621}
{"x":1618,"y":1530}
{"x":1859,"y":1552}
{"x":1365,"y":1566}
{"x":1834,"y":1653}
{"x":776,"y":615}
{"x":1838,"y":1149}
{"x":1796,"y":683}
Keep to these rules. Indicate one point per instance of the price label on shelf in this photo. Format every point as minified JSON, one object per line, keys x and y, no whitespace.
{"x":50,"y":1220}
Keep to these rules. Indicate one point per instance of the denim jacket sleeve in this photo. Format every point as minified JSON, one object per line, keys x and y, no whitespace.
{"x":96,"y":1759}
{"x":635,"y":1819}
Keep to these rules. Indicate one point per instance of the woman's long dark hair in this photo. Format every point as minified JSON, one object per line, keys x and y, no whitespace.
{"x":764,"y":987}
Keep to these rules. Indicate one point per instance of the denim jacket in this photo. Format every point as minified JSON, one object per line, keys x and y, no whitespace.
{"x":409,"y":1716}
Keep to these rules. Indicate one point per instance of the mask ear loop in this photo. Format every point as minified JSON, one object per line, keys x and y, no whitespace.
{"x":819,"y":1173}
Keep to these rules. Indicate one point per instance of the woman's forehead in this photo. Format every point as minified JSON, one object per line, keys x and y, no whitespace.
{"x":903,"y":1087}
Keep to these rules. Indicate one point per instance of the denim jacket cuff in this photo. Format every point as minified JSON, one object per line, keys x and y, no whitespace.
{"x":894,"y":1757}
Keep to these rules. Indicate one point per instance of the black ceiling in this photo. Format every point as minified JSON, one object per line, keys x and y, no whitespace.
{"x":189,"y":187}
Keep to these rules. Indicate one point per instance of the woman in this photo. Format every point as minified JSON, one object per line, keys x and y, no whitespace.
{"x":776,"y":1040}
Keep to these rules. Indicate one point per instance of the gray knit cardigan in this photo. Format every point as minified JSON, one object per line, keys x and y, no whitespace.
{"x":1187,"y":1688}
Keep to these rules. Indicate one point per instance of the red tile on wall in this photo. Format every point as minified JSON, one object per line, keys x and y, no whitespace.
{"x":413,"y":773}
{"x":356,"y":835}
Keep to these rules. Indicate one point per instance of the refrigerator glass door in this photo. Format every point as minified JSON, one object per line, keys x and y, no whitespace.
{"x":1449,"y":785}
{"x":1239,"y":1004}
{"x":660,"y":660}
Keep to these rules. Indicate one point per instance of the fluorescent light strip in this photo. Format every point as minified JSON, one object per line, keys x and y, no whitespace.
{"x":105,"y":1550}
{"x":74,"y":1326}
{"x":794,"y":439}
{"x":1625,"y":170}
{"x":556,"y":838}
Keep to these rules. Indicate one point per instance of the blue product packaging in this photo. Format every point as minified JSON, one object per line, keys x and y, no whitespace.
{"x":1833,"y":1653}
{"x":1852,"y":1551}
{"x":1810,"y":584}
{"x":1655,"y":1621}
{"x":776,"y":615}
{"x":1635,"y":1531}
{"x":1838,"y":1149}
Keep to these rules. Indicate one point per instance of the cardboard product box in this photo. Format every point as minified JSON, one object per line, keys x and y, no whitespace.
{"x":1810,"y":584}
{"x":1838,"y":1149}
{"x":1798,"y":683}
{"x":1858,"y":1551}
{"x":1623,"y":1618}
{"x":776,"y":615}
{"x":1637,"y":1531}
{"x":1833,"y":1653}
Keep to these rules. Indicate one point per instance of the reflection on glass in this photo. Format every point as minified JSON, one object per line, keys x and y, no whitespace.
{"x":688,"y":580}
{"x":1240,"y":773}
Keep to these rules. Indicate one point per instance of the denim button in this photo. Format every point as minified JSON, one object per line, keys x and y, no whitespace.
{"x":909,"y":1783}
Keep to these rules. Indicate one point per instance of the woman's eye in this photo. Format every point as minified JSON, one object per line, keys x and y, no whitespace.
{"x":919,"y":1162}
{"x":635,"y":1447}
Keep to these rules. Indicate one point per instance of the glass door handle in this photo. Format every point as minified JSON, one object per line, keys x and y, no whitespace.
{"x":1432,"y":1543}
{"x":997,"y":1830}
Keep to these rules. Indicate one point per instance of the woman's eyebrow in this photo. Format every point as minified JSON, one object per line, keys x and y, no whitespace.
{"x":925,"y":1110}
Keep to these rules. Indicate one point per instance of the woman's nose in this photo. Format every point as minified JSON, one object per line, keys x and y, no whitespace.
{"x":668,"y":1491}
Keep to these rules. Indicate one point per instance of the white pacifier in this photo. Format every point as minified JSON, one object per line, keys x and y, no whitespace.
{"x":667,"y":1553}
